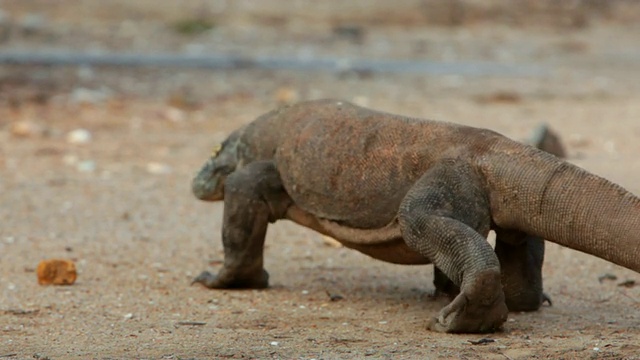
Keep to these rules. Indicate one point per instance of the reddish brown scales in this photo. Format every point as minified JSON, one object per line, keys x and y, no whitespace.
{"x":414,"y":191}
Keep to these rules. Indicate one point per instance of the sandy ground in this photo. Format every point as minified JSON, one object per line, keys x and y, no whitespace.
{"x":120,"y":204}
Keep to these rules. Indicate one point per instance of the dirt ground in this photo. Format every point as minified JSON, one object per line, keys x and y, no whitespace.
{"x":118,"y":203}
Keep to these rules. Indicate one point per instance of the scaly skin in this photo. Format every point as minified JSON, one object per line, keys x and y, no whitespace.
{"x":412,"y":191}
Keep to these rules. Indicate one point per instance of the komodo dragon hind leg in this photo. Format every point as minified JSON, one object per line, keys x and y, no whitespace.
{"x":253,"y":197}
{"x":444,"y":286}
{"x":530,"y":254}
{"x":521,"y":257}
{"x":445,"y":217}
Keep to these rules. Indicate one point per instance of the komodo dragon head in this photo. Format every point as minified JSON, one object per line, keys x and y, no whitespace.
{"x":208,"y":184}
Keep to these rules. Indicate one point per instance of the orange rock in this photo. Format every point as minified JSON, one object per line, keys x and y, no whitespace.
{"x":286,"y":95}
{"x":56,"y":272}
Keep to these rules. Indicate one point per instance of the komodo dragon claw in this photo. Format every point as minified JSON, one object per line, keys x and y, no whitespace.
{"x":212,"y":281}
{"x":463,"y":315}
{"x":205,"y":278}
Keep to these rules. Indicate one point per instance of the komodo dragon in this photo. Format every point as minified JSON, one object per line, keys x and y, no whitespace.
{"x":410,"y":191}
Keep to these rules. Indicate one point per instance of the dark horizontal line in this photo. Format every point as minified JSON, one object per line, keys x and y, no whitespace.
{"x":224,"y":61}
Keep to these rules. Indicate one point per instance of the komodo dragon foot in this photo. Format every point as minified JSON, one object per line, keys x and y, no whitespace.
{"x":221,"y":281}
{"x":479,"y":308}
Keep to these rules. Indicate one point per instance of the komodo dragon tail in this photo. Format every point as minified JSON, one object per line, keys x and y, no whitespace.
{"x":545,"y":196}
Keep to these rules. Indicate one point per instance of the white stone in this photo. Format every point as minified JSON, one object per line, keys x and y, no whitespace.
{"x":79,"y":136}
{"x":157,"y":168}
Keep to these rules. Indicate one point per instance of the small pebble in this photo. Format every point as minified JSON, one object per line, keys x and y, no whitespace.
{"x":274,"y":343}
{"x":286,"y":95}
{"x":86,"y":166}
{"x":24,"y":129}
{"x":128,"y":316}
{"x":79,"y":136}
{"x":174,"y":114}
{"x":70,"y":160}
{"x":158,"y":168}
{"x":56,"y":272}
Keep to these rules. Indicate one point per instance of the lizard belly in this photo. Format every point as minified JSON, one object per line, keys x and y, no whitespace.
{"x":385,"y":244}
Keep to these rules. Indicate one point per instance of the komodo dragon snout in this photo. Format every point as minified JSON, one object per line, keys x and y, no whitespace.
{"x":208,"y":184}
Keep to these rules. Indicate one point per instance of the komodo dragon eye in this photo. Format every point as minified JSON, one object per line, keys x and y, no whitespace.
{"x":216,"y":150}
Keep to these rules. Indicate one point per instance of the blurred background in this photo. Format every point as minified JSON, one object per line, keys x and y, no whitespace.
{"x":199,"y":52}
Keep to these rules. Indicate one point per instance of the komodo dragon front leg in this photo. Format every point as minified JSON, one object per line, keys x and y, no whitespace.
{"x":445,"y":217}
{"x":254,"y":197}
